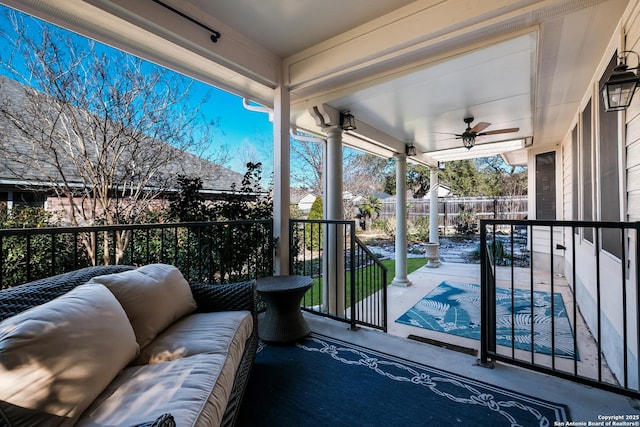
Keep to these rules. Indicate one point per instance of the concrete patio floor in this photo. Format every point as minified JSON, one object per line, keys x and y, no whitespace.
{"x":424,"y":280}
{"x":585,"y":403}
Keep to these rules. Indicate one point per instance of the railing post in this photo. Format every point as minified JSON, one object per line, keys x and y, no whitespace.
{"x":484,"y":256}
{"x":637,"y":259}
{"x":352,"y":271}
{"x":28,"y":258}
{"x":292,"y":252}
{"x":53,"y":255}
{"x":1,"y":262}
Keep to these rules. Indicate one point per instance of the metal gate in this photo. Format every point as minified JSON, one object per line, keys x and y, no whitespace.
{"x":350,"y":282}
{"x":558,"y":293}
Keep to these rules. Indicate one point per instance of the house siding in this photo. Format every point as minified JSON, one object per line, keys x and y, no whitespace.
{"x":567,"y":194}
{"x":633,"y":169}
{"x":587,"y":286}
{"x":631,"y":30}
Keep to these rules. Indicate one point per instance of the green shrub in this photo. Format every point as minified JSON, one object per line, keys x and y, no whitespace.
{"x":418,"y":229}
{"x":467,"y":222}
{"x":313,"y":232}
{"x":389,"y":227}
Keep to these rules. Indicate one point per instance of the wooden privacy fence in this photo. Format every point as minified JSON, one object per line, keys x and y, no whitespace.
{"x":451,"y":208}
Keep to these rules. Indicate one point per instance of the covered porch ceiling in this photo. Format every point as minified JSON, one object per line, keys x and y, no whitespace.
{"x":409,"y":71}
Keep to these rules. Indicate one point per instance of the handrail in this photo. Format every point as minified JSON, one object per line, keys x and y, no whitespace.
{"x":97,"y":228}
{"x":215,"y":252}
{"x":357,"y":279}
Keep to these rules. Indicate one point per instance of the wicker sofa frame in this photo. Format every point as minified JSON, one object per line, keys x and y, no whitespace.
{"x":209,"y":298}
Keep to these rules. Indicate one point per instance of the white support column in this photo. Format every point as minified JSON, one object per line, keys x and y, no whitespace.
{"x":433,"y":207}
{"x":281,"y":178}
{"x":334,"y":264}
{"x":334,"y":174}
{"x":401,"y":222}
{"x":433,"y":247}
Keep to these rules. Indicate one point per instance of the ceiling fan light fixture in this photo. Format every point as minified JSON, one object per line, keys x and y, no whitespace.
{"x":470,"y":133}
{"x":469,"y":141}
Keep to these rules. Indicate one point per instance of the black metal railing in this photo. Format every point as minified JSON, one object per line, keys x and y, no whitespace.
{"x":216,"y":252}
{"x":562,"y":297}
{"x":350,"y":282}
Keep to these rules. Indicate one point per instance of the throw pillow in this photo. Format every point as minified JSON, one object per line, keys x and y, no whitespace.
{"x":153,"y":296}
{"x":56,"y":358}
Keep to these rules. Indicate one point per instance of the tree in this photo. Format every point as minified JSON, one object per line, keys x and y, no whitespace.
{"x":245,"y":202}
{"x":502,"y":179}
{"x":188,"y":204}
{"x":308,"y":157}
{"x":462,"y":177}
{"x":97,"y":125}
{"x":418,"y":180}
{"x":369,"y":207}
{"x":229,"y":246}
{"x":364,"y":173}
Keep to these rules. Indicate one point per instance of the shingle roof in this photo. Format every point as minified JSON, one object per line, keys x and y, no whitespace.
{"x":18,"y":98}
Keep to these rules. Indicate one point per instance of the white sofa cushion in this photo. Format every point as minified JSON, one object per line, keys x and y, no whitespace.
{"x":224,"y":332}
{"x":153,"y":296}
{"x":56,"y":358}
{"x":194,"y":390}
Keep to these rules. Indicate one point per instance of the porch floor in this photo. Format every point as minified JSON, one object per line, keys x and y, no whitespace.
{"x":585,"y":403}
{"x":423,"y":280}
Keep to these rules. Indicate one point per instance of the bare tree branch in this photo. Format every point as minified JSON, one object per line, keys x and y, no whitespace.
{"x":107,"y":132}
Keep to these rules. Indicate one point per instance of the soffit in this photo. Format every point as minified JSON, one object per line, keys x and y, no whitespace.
{"x":513,"y":63}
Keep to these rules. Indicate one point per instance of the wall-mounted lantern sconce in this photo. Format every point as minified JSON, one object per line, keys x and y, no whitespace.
{"x":618,"y":90}
{"x":442,"y":165}
{"x":411,"y":150}
{"x":347,"y":121}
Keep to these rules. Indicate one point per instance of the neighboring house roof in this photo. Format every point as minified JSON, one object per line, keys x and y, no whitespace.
{"x":308,"y":199}
{"x":216,"y":179}
{"x":296,"y":195}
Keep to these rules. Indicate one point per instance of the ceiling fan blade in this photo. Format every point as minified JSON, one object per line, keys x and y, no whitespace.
{"x":446,"y":133}
{"x":495,"y":132}
{"x":480,"y":126}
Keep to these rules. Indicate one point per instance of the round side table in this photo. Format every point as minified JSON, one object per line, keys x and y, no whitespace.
{"x":283,"y":320}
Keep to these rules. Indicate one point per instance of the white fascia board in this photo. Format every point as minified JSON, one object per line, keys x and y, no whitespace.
{"x":477,"y":151}
{"x":239,"y":67}
{"x":398,"y":34}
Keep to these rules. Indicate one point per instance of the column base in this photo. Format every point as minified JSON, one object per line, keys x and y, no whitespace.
{"x":405,"y":283}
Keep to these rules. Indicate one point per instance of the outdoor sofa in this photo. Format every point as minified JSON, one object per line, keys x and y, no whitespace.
{"x":125,"y":346}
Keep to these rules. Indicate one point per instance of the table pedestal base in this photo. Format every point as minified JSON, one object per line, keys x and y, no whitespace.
{"x":283,"y":320}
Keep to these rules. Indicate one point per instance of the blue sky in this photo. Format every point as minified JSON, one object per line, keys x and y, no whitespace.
{"x":247,"y":135}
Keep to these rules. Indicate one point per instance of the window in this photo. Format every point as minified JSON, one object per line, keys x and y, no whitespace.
{"x":22,"y":199}
{"x":546,"y":186}
{"x":587,"y":181}
{"x":19,"y":199}
{"x":609,"y":172}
